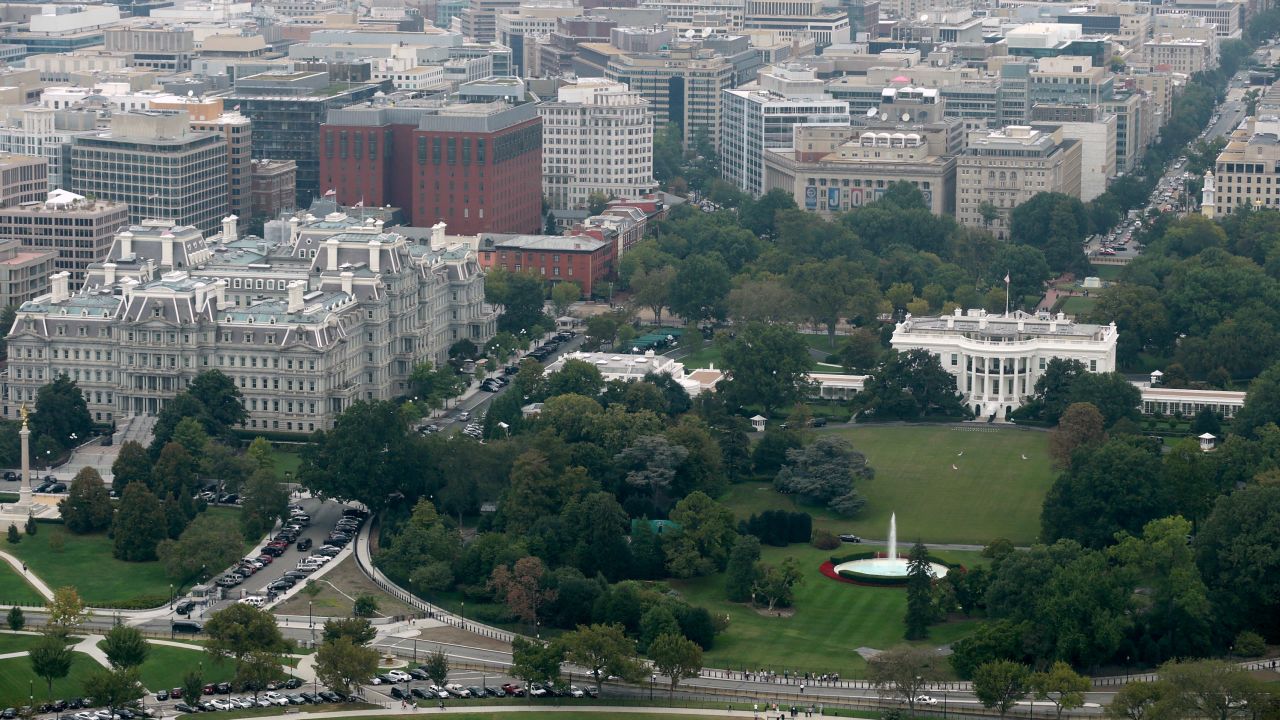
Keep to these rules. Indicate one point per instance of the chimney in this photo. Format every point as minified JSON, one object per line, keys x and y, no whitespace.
{"x":220,"y":294}
{"x":331,"y":249}
{"x":109,"y":273}
{"x":293,"y":229}
{"x":229,"y":228}
{"x":295,"y":296}
{"x":377,"y":224}
{"x":347,"y":277}
{"x":61,"y":284}
{"x":437,"y":235}
{"x":166,"y":250}
{"x":375,"y":256}
{"x":126,"y":243}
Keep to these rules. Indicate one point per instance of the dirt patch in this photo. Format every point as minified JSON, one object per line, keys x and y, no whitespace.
{"x":763,"y":611}
{"x":338,"y":589}
{"x":450,"y":634}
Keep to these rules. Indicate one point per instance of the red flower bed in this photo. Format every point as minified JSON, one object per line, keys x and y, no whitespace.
{"x":828,"y":569}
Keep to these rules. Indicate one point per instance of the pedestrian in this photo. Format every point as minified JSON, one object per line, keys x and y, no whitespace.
{"x":442,"y":705}
{"x":24,"y":567}
{"x":802,"y":688}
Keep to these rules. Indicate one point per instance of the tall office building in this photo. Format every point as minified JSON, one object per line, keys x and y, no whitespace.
{"x":1000,"y":169}
{"x":23,"y":178}
{"x":287,"y":109}
{"x":683,"y":85}
{"x":476,"y":166}
{"x":24,"y":272}
{"x":46,"y":133}
{"x":78,"y":230}
{"x":156,"y":164}
{"x":597,"y":137}
{"x":209,"y":115}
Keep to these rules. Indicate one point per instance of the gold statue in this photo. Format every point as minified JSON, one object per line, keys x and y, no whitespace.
{"x":24,"y":412}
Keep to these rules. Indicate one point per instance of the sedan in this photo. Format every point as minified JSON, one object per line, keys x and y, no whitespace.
{"x":184,"y":708}
{"x":330,"y":696}
{"x":276,"y":699}
{"x":313,"y":699}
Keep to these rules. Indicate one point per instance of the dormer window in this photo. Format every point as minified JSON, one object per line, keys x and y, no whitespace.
{"x":155,"y":311}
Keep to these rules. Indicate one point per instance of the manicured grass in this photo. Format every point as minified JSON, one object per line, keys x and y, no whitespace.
{"x":85,"y":562}
{"x":13,"y":642}
{"x":831,"y":621}
{"x":993,"y":493}
{"x":821,"y":342}
{"x":7,"y":497}
{"x":17,"y":680}
{"x":13,"y":589}
{"x":286,"y":463}
{"x":1078,"y":305}
{"x":704,"y":357}
{"x":167,"y":665}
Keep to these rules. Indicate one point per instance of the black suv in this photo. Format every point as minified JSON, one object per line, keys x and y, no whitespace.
{"x":304,"y":544}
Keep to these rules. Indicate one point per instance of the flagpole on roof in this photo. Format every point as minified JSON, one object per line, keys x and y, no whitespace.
{"x":1006,"y":294}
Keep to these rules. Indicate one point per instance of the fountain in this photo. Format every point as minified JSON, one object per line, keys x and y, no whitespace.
{"x":887,"y":570}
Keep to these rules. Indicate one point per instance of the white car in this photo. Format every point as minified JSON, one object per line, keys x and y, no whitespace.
{"x":925,"y":700}
{"x":399,"y":675}
{"x":457,"y":690}
{"x":276,"y":698}
{"x":438,"y":691}
{"x":576,"y":691}
{"x":222,"y":704}
{"x":321,"y":559}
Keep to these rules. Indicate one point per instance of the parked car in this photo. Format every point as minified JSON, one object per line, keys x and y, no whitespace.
{"x":186,"y":626}
{"x":850,"y":538}
{"x":304,"y":544}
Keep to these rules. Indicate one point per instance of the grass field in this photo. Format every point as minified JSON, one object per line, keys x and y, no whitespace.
{"x":7,"y":497}
{"x":17,"y":680}
{"x":338,"y":587}
{"x":993,"y":493}
{"x":85,"y":562}
{"x":13,"y":589}
{"x":831,"y":621}
{"x":1078,"y":305}
{"x":286,"y":463}
{"x":13,"y":642}
{"x":166,"y":666}
{"x":1107,"y":272}
{"x":703,"y":357}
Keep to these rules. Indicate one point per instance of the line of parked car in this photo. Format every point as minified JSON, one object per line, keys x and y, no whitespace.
{"x":458,"y":691}
{"x":59,"y":706}
{"x":344,"y":531}
{"x":273,"y":698}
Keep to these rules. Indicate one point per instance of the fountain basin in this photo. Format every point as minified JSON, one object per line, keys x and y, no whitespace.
{"x":883,"y":571}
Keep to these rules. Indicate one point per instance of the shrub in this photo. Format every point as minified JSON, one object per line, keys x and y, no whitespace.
{"x":14,"y":536}
{"x":825,"y":540}
{"x":1249,"y":644}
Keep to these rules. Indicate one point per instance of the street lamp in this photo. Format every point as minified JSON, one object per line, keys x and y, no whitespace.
{"x":310,"y":621}
{"x":464,"y":615}
{"x":653,"y":680}
{"x":537,"y":627}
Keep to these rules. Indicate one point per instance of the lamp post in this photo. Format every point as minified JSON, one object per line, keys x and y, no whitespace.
{"x":537,"y":629}
{"x":171,"y":596}
{"x":464,"y":615}
{"x":653,"y":680}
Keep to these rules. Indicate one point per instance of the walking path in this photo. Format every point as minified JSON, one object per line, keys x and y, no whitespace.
{"x":89,"y":646}
{"x":30,"y":577}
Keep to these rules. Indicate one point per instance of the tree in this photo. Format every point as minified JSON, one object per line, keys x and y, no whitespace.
{"x":365,"y":606}
{"x":193,"y":686}
{"x":521,"y":296}
{"x":357,"y":630}
{"x":1080,"y":425}
{"x":650,"y":463}
{"x":740,"y":574}
{"x":766,"y":365}
{"x":190,"y":434}
{"x":1261,"y":403}
{"x":15,"y":536}
{"x":1056,"y":224}
{"x":574,"y":376}
{"x":1214,"y":689}
{"x":564,"y":294}
{"x":1235,"y":551}
{"x":87,"y":506}
{"x":241,"y":629}
{"x":860,"y":351}
{"x":904,"y":671}
{"x":206,"y":545}
{"x":114,"y":688}
{"x":1062,"y":686}
{"x":1108,"y":488}
{"x":66,"y":612}
{"x":16,"y":619}
{"x":652,"y":289}
{"x":1000,"y":684}
{"x":221,"y":399}
{"x":776,"y":583}
{"x":603,"y":650}
{"x":1173,"y":611}
{"x":707,"y":534}
{"x":521,"y":587}
{"x":534,"y":661}
{"x":125,"y":646}
{"x":911,"y":385}
{"x":368,"y":456}
{"x":436,"y":666}
{"x":920,"y":612}
{"x":825,"y":289}
{"x":132,"y":464}
{"x":826,"y":472}
{"x":139,"y":526}
{"x":700,"y":288}
{"x":677,"y":657}
{"x":425,"y":547}
{"x":51,"y":659}
{"x":61,"y":413}
{"x":256,"y":669}
{"x":1136,"y":700}
{"x":174,"y":471}
{"x":551,"y":227}
{"x":1052,"y":391}
{"x":265,"y":500}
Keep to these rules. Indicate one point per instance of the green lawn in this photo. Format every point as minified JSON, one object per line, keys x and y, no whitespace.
{"x":8,"y":497}
{"x":704,"y":357}
{"x":832,"y":620}
{"x":17,"y":680}
{"x":166,"y":665}
{"x":1078,"y":305}
{"x":13,"y":589}
{"x":85,"y":562}
{"x":286,"y":463}
{"x":993,"y":493}
{"x":1107,"y":272}
{"x":11,"y":642}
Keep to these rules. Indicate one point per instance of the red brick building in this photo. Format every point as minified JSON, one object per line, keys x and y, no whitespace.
{"x":582,"y":260}
{"x":475,"y":166}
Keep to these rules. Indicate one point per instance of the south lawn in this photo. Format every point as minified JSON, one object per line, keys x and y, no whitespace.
{"x":991,"y":493}
{"x":831,"y":619}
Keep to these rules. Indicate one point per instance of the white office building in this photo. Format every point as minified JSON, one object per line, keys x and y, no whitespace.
{"x":997,"y":359}
{"x":597,"y":137}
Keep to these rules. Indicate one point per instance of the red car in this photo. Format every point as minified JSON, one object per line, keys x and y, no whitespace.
{"x":513,"y":689}
{"x":265,"y":559}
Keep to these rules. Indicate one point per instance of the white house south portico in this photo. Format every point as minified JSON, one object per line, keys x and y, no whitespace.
{"x":996,"y":359}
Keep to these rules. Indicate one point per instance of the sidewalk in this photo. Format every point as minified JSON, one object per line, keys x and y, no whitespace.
{"x":89,"y":646}
{"x":30,"y":577}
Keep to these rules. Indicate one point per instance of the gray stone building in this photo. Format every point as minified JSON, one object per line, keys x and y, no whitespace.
{"x":320,"y":314}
